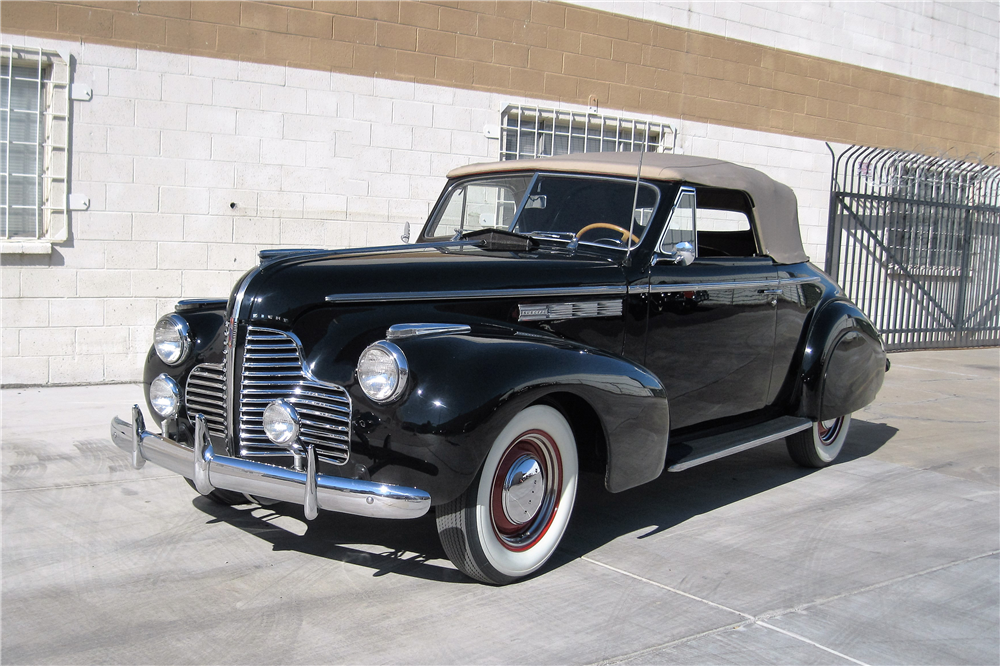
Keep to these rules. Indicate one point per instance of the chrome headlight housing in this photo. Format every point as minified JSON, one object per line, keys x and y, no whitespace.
{"x":281,"y":422}
{"x":172,"y":339}
{"x":165,"y":396}
{"x":382,"y":371}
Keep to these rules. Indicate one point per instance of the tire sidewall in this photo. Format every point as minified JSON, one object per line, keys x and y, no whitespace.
{"x":515,"y":564}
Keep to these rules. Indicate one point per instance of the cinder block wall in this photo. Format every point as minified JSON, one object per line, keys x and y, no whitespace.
{"x":220,"y":129}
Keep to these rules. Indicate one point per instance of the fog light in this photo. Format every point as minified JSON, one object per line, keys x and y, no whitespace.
{"x":382,"y":371}
{"x":281,"y":422}
{"x":172,"y":339}
{"x":165,"y":396}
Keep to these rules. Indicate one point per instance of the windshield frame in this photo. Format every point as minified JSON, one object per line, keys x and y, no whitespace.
{"x":443,"y":201}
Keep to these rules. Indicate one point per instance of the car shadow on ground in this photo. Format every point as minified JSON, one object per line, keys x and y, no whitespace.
{"x":411,"y":547}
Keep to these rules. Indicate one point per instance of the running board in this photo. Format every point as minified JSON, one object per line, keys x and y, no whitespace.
{"x":712,"y":448}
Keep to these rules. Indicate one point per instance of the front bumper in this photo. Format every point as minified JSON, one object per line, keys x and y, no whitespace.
{"x":312,"y":490}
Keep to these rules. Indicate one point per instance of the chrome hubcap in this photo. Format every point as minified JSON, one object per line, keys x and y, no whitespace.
{"x":523,"y":490}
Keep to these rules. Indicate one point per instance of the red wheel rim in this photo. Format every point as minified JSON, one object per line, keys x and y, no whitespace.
{"x":539,"y":447}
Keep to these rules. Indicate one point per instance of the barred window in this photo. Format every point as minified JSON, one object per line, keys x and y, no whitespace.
{"x":34,"y":140}
{"x":528,"y":132}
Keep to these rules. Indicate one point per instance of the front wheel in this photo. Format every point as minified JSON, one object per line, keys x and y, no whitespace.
{"x":820,"y":444}
{"x":512,"y":517}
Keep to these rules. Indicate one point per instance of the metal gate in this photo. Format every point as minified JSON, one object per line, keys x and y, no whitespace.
{"x":915,"y":242}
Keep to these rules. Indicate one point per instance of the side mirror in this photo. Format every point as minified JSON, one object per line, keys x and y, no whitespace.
{"x":683,"y":255}
{"x":406,"y":233}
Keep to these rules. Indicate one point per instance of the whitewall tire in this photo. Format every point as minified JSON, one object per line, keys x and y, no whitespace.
{"x":820,"y":444}
{"x":514,"y":514}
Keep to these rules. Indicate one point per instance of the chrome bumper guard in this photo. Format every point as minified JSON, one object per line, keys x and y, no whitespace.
{"x":312,"y":490}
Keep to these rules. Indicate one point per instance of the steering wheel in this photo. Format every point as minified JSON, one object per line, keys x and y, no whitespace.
{"x":606,"y":225}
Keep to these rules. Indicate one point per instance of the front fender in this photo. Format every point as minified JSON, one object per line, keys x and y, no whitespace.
{"x":843,"y":364}
{"x":207,"y":333}
{"x":463,"y":389}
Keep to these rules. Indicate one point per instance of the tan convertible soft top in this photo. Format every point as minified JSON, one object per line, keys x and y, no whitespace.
{"x":775,"y":206}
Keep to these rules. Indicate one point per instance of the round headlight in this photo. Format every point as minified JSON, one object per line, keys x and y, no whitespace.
{"x":382,"y":371}
{"x":172,"y":339}
{"x":165,"y":396}
{"x":281,"y":422}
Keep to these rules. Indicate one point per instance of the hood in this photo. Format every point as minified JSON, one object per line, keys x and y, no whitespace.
{"x":286,"y":288}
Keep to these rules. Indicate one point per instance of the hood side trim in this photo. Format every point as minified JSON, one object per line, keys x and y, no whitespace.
{"x":382,"y":297}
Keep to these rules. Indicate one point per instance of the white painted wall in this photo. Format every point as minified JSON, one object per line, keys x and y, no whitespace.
{"x":956,"y":44}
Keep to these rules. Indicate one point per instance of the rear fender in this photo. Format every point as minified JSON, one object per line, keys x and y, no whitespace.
{"x":465,"y":388}
{"x":843,"y":364}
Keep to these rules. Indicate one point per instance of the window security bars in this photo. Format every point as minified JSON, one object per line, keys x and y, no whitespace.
{"x":528,"y":132}
{"x":915,"y":242}
{"x":33,"y":142}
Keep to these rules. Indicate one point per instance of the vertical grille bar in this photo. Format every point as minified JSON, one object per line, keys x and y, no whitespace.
{"x":205,"y":394}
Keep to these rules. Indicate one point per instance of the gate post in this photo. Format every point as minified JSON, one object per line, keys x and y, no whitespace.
{"x":833,"y":230}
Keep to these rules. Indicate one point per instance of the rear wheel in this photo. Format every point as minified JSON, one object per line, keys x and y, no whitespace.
{"x":820,"y":444}
{"x":512,"y":517}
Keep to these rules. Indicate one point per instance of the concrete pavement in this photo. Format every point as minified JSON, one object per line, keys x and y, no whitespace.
{"x":890,"y":556}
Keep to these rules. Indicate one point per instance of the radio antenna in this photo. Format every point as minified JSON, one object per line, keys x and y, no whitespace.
{"x":635,"y":203}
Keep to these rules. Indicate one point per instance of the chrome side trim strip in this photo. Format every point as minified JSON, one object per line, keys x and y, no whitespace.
{"x":382,"y":297}
{"x":800,"y":280}
{"x":270,"y":256}
{"x":713,"y":286}
{"x":719,"y":286}
{"x":399,"y":331}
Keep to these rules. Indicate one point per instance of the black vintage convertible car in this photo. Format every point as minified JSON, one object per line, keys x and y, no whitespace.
{"x":604,"y":313}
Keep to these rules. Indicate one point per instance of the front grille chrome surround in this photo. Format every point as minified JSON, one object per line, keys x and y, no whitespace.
{"x":205,"y":394}
{"x":273,"y":369}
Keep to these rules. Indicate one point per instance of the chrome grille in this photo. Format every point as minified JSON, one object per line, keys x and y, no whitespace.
{"x":205,"y":393}
{"x":272,"y":369}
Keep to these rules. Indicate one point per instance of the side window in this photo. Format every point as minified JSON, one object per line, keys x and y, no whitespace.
{"x":681,"y":227}
{"x":724,"y":224}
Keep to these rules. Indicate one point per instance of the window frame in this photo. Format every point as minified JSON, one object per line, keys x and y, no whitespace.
{"x":683,"y":191}
{"x":444,"y":200}
{"x":53,"y":149}
{"x":694,"y":191}
{"x":577,"y":128}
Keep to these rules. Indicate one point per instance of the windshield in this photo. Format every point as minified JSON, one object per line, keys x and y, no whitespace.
{"x":593,"y":209}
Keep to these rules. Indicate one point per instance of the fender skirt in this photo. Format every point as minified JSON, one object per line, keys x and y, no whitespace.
{"x":843,"y":365}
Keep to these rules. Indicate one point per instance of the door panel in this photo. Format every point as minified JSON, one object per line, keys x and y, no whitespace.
{"x":710,"y":336}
